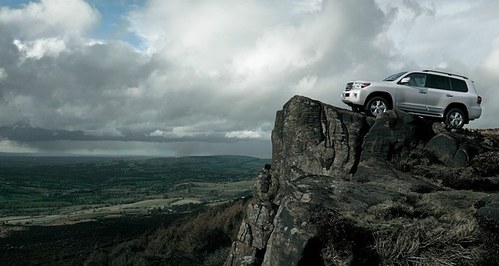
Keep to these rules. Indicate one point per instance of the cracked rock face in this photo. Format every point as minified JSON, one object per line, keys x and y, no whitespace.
{"x":312,"y":137}
{"x":328,"y":158}
{"x":257,"y":226}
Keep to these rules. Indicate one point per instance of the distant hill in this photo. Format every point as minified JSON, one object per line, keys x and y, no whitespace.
{"x":37,"y":183}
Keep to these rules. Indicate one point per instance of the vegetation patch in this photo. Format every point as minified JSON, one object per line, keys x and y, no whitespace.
{"x":429,"y":242}
{"x":479,"y":174}
{"x":198,"y":239}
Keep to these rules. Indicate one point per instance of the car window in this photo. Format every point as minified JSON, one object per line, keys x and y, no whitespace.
{"x":417,"y":79}
{"x":437,"y":82}
{"x":458,"y":85}
{"x":394,"y":76}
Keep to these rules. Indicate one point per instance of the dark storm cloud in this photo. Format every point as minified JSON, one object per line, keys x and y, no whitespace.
{"x":25,"y":133}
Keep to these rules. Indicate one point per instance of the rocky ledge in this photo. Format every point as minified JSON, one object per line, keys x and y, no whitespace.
{"x":348,"y":189}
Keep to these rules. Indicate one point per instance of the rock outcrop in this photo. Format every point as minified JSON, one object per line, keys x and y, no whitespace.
{"x":348,"y":189}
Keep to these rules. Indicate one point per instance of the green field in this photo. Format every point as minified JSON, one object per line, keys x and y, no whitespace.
{"x":64,"y":190}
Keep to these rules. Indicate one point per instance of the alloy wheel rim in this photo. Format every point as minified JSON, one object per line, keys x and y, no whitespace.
{"x":378,"y":107}
{"x":456,"y":119}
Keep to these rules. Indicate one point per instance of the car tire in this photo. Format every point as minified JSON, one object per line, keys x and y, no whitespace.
{"x":455,"y":118}
{"x":377,"y":105}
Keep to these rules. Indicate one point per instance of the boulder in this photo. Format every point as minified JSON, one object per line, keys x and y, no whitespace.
{"x":393,"y":132}
{"x":446,"y":147}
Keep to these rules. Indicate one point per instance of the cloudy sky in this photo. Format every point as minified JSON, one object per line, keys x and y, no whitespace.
{"x":199,"y":77}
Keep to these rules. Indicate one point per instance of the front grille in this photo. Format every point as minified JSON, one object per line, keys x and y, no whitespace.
{"x":349,"y":86}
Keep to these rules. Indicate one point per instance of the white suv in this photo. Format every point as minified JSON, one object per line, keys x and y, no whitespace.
{"x":433,"y":94}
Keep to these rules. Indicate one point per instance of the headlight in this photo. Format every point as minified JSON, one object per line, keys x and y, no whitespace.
{"x":361,"y":85}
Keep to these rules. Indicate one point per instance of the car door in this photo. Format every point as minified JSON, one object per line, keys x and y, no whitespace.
{"x":411,"y":96}
{"x":439,"y":94}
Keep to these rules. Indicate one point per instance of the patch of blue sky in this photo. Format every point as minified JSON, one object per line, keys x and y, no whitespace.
{"x":114,"y":24}
{"x":14,"y":3}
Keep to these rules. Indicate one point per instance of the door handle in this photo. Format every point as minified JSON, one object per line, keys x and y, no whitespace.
{"x":422,"y":92}
{"x":449,"y":95}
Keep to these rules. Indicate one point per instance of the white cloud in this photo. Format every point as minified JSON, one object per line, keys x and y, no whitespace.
{"x":261,"y":133}
{"x":200,"y":35}
{"x":50,"y":18}
{"x":157,"y":133}
{"x":244,"y":134}
{"x":445,"y":33}
{"x":276,"y":52}
{"x":177,"y":132}
{"x":41,"y":47}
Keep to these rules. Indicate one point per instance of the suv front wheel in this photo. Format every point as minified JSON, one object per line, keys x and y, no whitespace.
{"x":455,"y":118}
{"x":376,"y":105}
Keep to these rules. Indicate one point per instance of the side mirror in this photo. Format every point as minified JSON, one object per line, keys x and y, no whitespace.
{"x":405,"y":81}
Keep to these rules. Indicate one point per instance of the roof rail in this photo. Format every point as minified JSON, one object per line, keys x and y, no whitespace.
{"x":441,"y":72}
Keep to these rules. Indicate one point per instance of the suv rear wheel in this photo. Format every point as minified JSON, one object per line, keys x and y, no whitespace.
{"x":376,"y":105}
{"x":455,"y":118}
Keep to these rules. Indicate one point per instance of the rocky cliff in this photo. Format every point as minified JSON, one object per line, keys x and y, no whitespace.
{"x":347,"y":189}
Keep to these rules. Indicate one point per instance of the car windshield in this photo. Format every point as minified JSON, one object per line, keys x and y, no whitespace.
{"x":394,"y":76}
